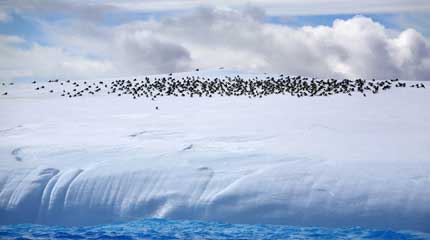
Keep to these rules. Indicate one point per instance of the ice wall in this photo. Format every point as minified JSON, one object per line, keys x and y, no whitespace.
{"x":339,"y":161}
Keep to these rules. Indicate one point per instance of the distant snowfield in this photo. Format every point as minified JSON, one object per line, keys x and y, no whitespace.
{"x":337,"y":161}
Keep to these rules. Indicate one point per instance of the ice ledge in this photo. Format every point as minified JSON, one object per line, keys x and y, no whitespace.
{"x":290,"y":192}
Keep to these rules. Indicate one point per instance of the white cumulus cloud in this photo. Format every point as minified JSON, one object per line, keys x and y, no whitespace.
{"x":211,"y":37}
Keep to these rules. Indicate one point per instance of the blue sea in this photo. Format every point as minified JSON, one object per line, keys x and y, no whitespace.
{"x":167,"y":229}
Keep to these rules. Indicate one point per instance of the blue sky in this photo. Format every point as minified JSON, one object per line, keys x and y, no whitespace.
{"x":71,"y":30}
{"x":27,"y":26}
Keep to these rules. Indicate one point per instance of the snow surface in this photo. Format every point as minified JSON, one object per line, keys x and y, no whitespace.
{"x":337,"y":161}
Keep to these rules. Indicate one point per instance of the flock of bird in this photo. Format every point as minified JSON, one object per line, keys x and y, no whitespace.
{"x":196,"y":86}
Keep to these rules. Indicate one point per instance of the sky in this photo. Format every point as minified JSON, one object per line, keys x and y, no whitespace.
{"x":72,"y":39}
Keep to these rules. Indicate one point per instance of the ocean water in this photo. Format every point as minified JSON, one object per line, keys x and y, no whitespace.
{"x":167,"y":229}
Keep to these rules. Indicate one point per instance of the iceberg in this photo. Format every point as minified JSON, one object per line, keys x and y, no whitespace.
{"x":336,"y":161}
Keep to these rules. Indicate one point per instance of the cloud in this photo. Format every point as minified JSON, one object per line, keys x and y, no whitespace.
{"x":41,"y":62}
{"x":318,"y":7}
{"x":4,"y":17}
{"x":9,"y":39}
{"x":129,"y":47}
{"x":142,"y":52}
{"x":281,"y":7}
{"x":358,"y":47}
{"x":95,"y":8}
{"x":212,"y":37}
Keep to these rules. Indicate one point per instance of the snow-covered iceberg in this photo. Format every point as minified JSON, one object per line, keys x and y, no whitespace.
{"x":335,"y":161}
